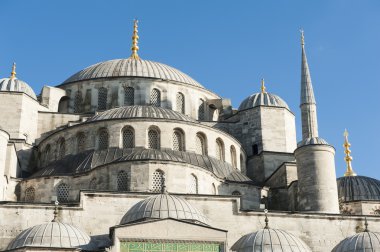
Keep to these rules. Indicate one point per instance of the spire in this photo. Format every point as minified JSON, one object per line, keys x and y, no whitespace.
{"x":266,"y":219}
{"x":55,"y":219}
{"x":263,"y":88}
{"x":13,"y":73}
{"x":349,"y":171}
{"x":135,"y":41}
{"x":307,"y":93}
{"x":366,"y":224}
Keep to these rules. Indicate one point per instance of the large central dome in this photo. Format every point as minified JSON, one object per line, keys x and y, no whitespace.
{"x":132,"y":68}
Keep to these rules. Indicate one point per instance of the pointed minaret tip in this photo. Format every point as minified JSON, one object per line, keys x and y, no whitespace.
{"x":135,"y":41}
{"x":263,"y":88}
{"x":349,"y":171}
{"x":13,"y":73}
{"x":307,"y":92}
{"x":302,"y":37}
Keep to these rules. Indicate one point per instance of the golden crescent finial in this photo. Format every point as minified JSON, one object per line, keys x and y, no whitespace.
{"x":13,"y":73}
{"x":263,"y":88}
{"x":302,"y":37}
{"x":348,"y":158}
{"x":135,"y":41}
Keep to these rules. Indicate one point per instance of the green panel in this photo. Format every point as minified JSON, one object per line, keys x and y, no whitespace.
{"x":168,"y":246}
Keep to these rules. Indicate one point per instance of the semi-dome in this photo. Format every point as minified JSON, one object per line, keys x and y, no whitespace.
{"x":312,"y":141}
{"x":53,"y":235}
{"x":163,"y":206}
{"x":132,"y":68}
{"x":16,"y":85}
{"x":263,"y":99}
{"x":140,"y":112}
{"x":352,"y":188}
{"x":364,"y":241}
{"x":269,"y":240}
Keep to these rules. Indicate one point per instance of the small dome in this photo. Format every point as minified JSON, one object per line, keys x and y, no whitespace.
{"x":53,"y":235}
{"x":364,"y":241}
{"x":268,"y":239}
{"x":132,"y":68}
{"x":263,"y":99}
{"x":140,"y":112}
{"x":163,"y":206}
{"x":312,"y":141}
{"x":16,"y":85}
{"x":353,"y":188}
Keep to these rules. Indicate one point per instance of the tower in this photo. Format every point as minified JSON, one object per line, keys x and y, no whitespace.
{"x":317,"y":188}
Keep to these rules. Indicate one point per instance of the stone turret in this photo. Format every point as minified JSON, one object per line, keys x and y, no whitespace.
{"x":317,"y":190}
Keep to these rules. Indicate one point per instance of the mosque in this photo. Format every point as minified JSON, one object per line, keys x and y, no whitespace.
{"x":132,"y":155}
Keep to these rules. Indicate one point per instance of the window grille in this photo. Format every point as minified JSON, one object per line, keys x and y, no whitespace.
{"x":30,"y":194}
{"x":180,"y":103}
{"x":128,"y":138}
{"x":63,"y":193}
{"x":201,"y":110}
{"x":193,"y":184}
{"x":92,"y":185}
{"x":122,"y":181}
{"x":155,"y":98}
{"x":102,"y":98}
{"x":236,"y":193}
{"x":233,"y":156}
{"x":61,"y":148}
{"x":200,"y":145}
{"x":219,"y":149}
{"x":153,"y":139}
{"x":78,"y":101}
{"x":103,"y":140}
{"x":158,"y":181}
{"x":129,"y":96}
{"x":178,"y":143}
{"x":81,"y":142}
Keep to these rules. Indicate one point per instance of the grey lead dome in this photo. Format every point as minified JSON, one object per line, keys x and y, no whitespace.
{"x":354,"y":188}
{"x":16,"y":85}
{"x":364,"y":241}
{"x":132,"y":68}
{"x":263,"y":99}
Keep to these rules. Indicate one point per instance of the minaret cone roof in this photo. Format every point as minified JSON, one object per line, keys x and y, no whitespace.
{"x":307,"y":93}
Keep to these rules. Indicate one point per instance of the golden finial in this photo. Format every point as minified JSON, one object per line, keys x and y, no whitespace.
{"x":55,"y":219}
{"x":13,"y":73}
{"x":263,"y":88}
{"x":302,"y":37}
{"x":266,"y":219}
{"x":135,"y":41}
{"x":348,"y":158}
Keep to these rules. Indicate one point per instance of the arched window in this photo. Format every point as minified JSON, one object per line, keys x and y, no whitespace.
{"x":122,"y":181}
{"x":200,"y":144}
{"x":213,"y":189}
{"x":153,"y":139}
{"x":158,"y":181}
{"x":128,"y":137}
{"x":81,"y":142}
{"x":63,"y":104}
{"x":236,"y":193}
{"x":180,"y":103}
{"x":129,"y":96}
{"x":47,"y":154}
{"x":201,"y":110}
{"x":193,"y":184}
{"x":219,"y":151}
{"x":78,"y":102}
{"x":233,"y":156}
{"x":102,"y":98}
{"x":242,"y":163}
{"x":255,"y":149}
{"x":92,"y":185}
{"x":30,"y":194}
{"x":61,"y":148}
{"x":103,"y":139}
{"x":63,"y":193}
{"x":178,"y":140}
{"x":155,"y":97}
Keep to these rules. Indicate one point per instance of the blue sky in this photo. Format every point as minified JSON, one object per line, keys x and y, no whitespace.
{"x":225,"y":45}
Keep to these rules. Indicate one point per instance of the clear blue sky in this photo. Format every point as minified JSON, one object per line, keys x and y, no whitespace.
{"x":225,"y":45}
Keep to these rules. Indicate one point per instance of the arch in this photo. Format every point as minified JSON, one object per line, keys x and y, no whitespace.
{"x":201,"y":144}
{"x":154,"y":138}
{"x":233,"y":156}
{"x":61,"y":148}
{"x":122,"y":181}
{"x":102,"y":98}
{"x":103,"y":139}
{"x":158,"y":181}
{"x":78,"y":102}
{"x":236,"y":193}
{"x":63,"y":192}
{"x":93,"y":183}
{"x":30,"y":193}
{"x":81,"y":142}
{"x":193,"y":184}
{"x":129,"y":96}
{"x":128,"y":134}
{"x":178,"y":140}
{"x":201,"y":110}
{"x":219,"y":149}
{"x":63,"y":104}
{"x":180,"y":103}
{"x":155,"y":97}
{"x":376,"y":212}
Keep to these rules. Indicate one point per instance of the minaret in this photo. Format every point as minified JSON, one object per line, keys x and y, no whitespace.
{"x":308,"y":105}
{"x":317,"y":187}
{"x":135,"y":41}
